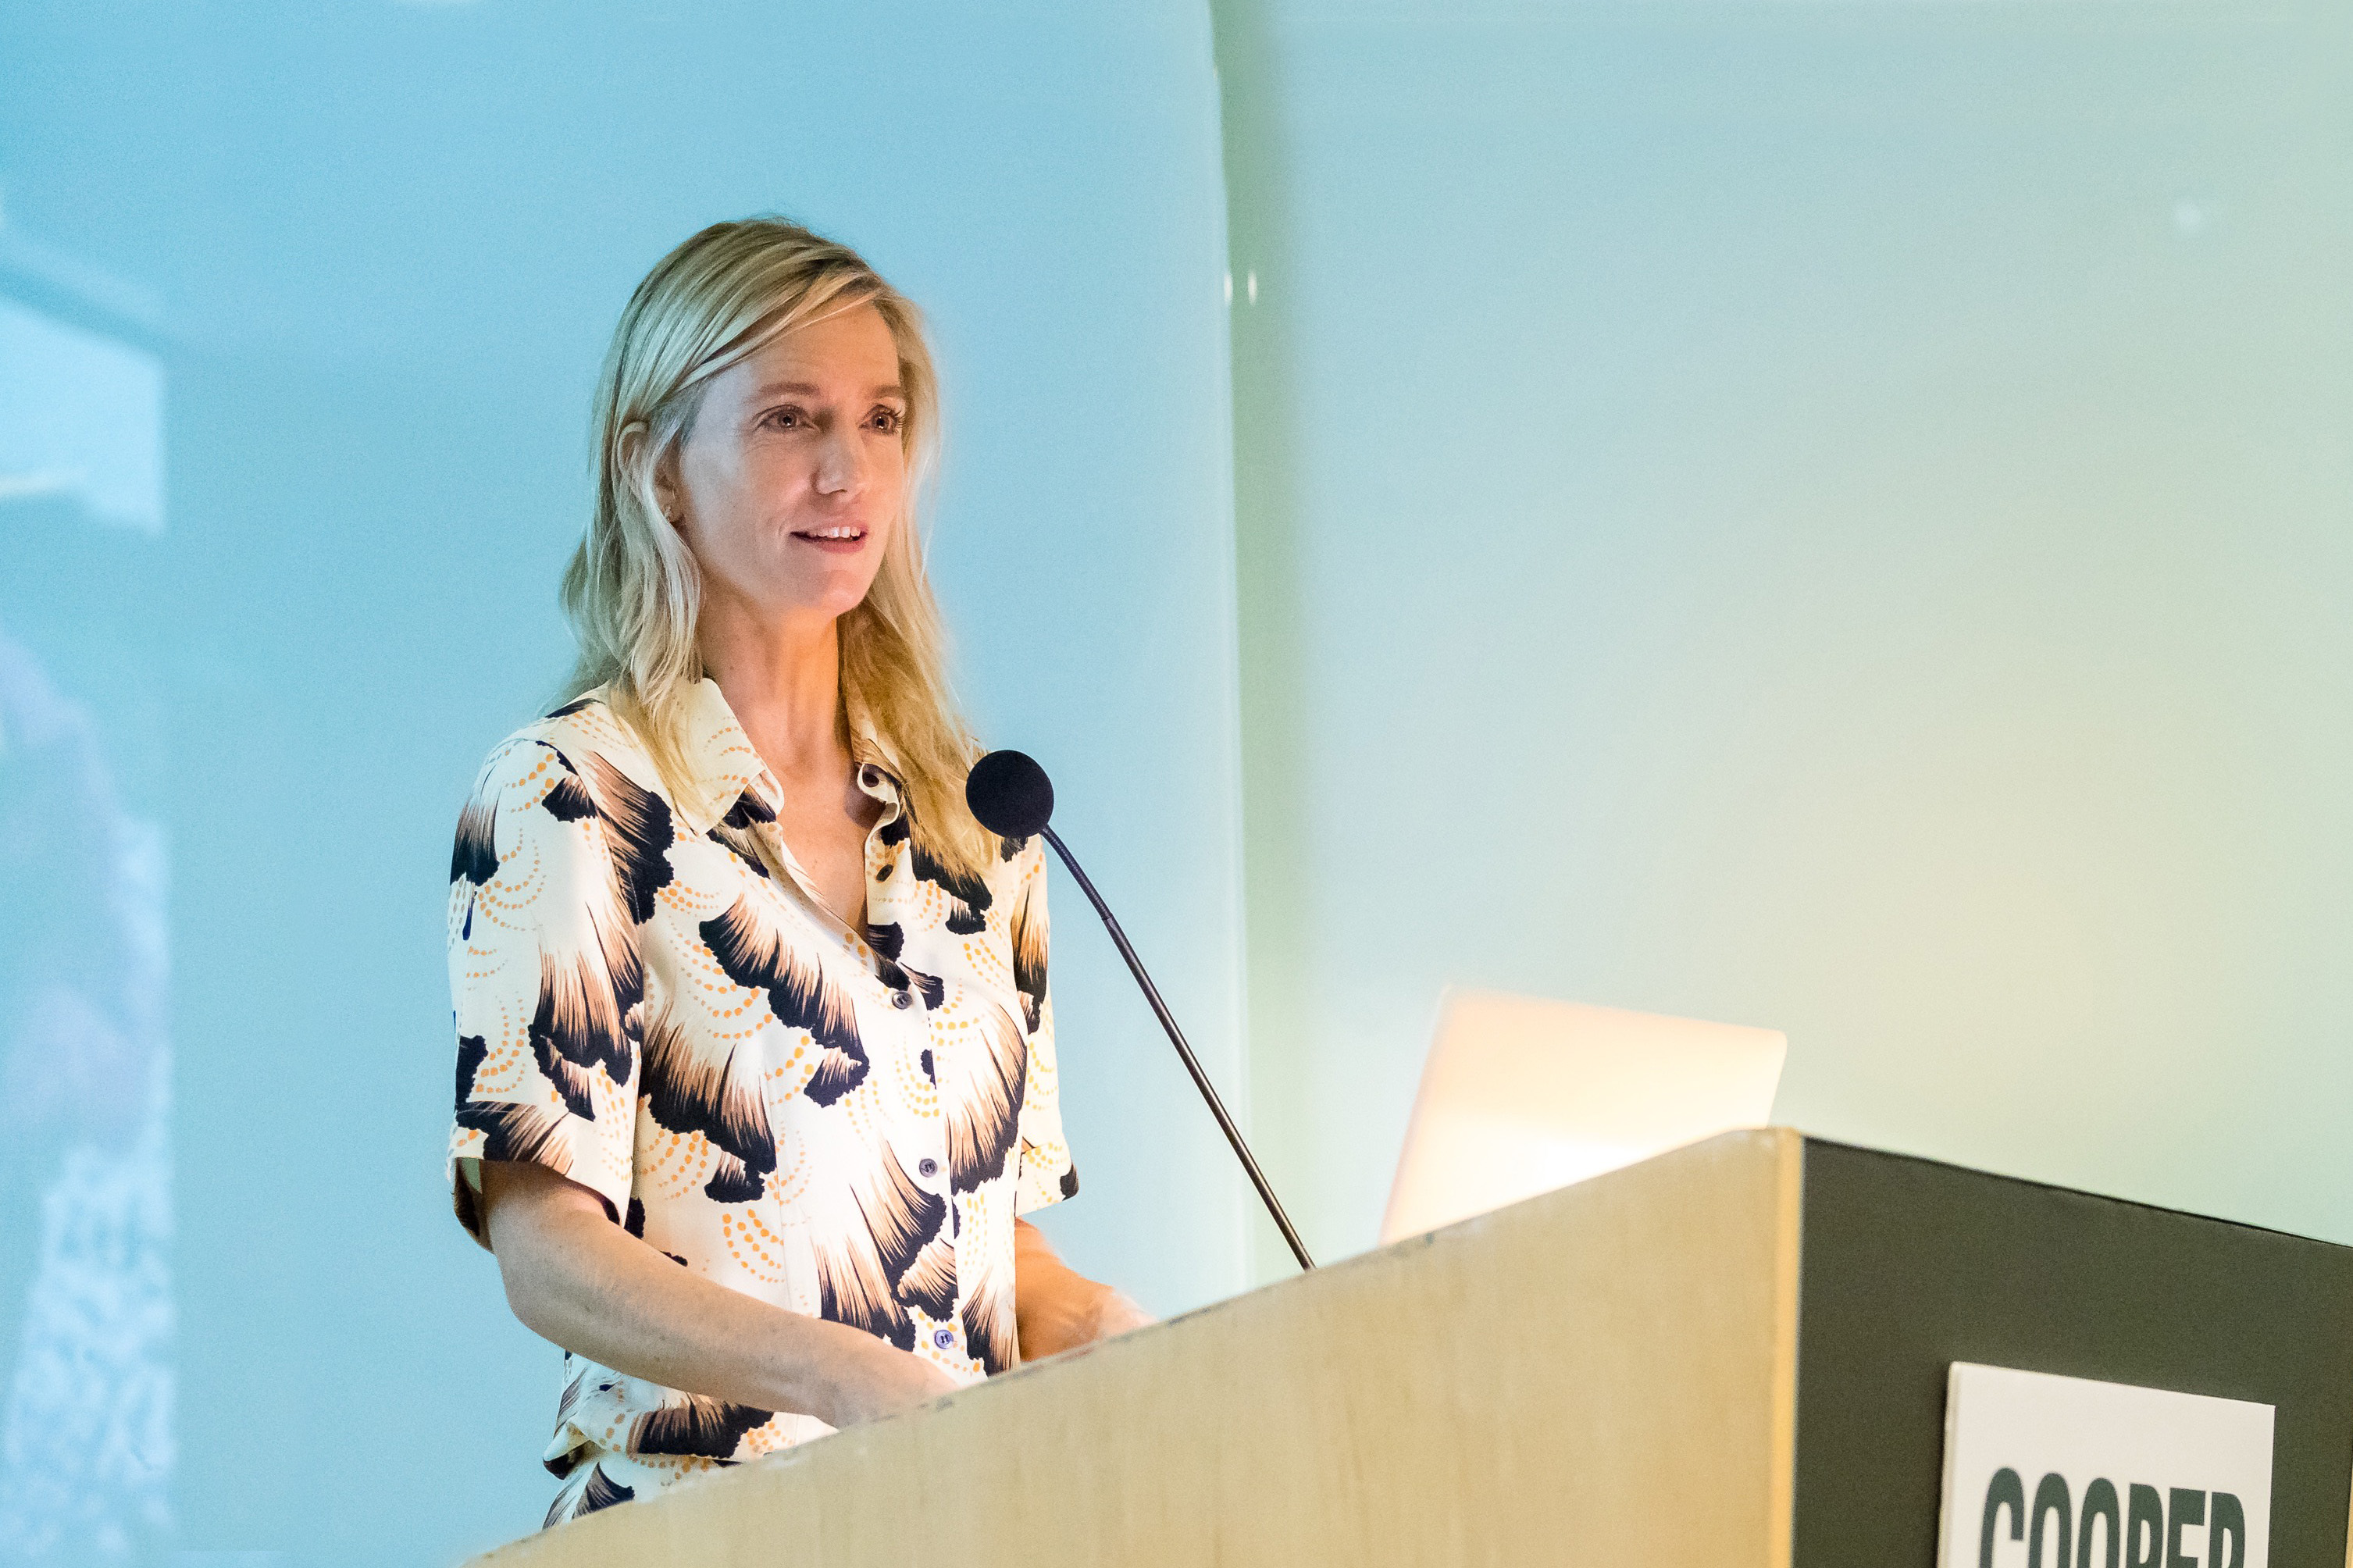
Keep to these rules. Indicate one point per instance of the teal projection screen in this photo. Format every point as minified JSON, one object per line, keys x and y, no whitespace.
{"x":300,"y":309}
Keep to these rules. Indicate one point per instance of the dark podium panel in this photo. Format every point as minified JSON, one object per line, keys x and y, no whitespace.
{"x":1908,"y":1266}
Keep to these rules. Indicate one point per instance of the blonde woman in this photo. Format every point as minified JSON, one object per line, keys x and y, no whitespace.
{"x":756,"y":1055}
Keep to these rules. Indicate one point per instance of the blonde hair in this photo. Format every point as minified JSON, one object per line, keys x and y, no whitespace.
{"x":633,"y":590}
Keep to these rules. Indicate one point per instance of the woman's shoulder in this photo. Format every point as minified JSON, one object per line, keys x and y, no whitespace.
{"x":1018,"y":863}
{"x":583,"y":737}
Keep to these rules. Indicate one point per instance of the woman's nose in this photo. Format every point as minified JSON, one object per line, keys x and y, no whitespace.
{"x":841,"y":463}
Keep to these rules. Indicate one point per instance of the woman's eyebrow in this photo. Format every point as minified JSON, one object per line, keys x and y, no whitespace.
{"x":809,"y":389}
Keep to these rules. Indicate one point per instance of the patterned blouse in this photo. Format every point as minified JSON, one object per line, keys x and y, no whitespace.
{"x":650,"y":1001}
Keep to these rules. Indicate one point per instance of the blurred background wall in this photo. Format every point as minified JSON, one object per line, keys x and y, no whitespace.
{"x":1827,"y":515}
{"x":352,"y":266}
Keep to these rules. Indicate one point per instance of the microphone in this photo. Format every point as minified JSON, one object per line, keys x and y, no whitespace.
{"x":1011,"y":797}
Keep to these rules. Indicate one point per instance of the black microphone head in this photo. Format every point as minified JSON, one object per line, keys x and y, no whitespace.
{"x":1009,"y":794}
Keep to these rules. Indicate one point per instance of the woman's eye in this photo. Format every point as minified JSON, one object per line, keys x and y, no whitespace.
{"x":889,"y":419}
{"x":786,"y":419}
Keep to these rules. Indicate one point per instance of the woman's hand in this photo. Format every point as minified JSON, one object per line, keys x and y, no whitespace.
{"x":1057,"y":1308}
{"x":1078,"y":1312}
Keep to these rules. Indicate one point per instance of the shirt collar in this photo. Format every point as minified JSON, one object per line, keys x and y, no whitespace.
{"x":722,"y":766}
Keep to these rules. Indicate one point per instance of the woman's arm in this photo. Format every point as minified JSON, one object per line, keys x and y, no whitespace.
{"x":1056,"y":1309}
{"x":575,"y":1277}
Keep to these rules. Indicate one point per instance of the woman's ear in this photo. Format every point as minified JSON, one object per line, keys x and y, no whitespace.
{"x":665,"y":474}
{"x":666,"y":486}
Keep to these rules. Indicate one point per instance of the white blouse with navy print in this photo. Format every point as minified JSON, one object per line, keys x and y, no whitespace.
{"x":844,"y":1124}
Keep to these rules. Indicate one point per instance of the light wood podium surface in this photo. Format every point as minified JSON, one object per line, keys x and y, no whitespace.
{"x":1604,"y":1374}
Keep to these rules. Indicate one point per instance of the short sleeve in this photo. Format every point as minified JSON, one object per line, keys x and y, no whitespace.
{"x":1048,"y":1175}
{"x":545,"y":982}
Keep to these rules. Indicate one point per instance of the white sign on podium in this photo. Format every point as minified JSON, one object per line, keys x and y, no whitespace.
{"x":2042,"y":1471}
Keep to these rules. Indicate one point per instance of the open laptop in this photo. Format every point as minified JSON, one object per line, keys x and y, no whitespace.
{"x":1521,"y":1095}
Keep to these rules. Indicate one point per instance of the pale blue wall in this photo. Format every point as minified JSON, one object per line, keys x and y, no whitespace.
{"x":384,"y":244}
{"x":1829,"y":516}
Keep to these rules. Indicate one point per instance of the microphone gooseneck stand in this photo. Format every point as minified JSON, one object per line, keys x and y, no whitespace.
{"x":1177,"y":1038}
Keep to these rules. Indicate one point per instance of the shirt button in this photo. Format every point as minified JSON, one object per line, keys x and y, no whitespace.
{"x":902,"y":1001}
{"x":943,"y":1338}
{"x":927,"y":1167}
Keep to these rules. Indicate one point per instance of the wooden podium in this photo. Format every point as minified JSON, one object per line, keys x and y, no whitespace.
{"x":1732,"y":1355}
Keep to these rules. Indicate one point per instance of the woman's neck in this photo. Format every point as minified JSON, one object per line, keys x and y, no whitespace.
{"x":784,"y":682}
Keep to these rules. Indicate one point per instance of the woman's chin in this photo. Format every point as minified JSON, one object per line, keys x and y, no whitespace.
{"x":833,"y":602}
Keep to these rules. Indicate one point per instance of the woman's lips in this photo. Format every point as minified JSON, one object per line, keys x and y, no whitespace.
{"x":844,"y":541}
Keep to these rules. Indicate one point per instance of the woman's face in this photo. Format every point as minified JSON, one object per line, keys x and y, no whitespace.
{"x":789,"y":481}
